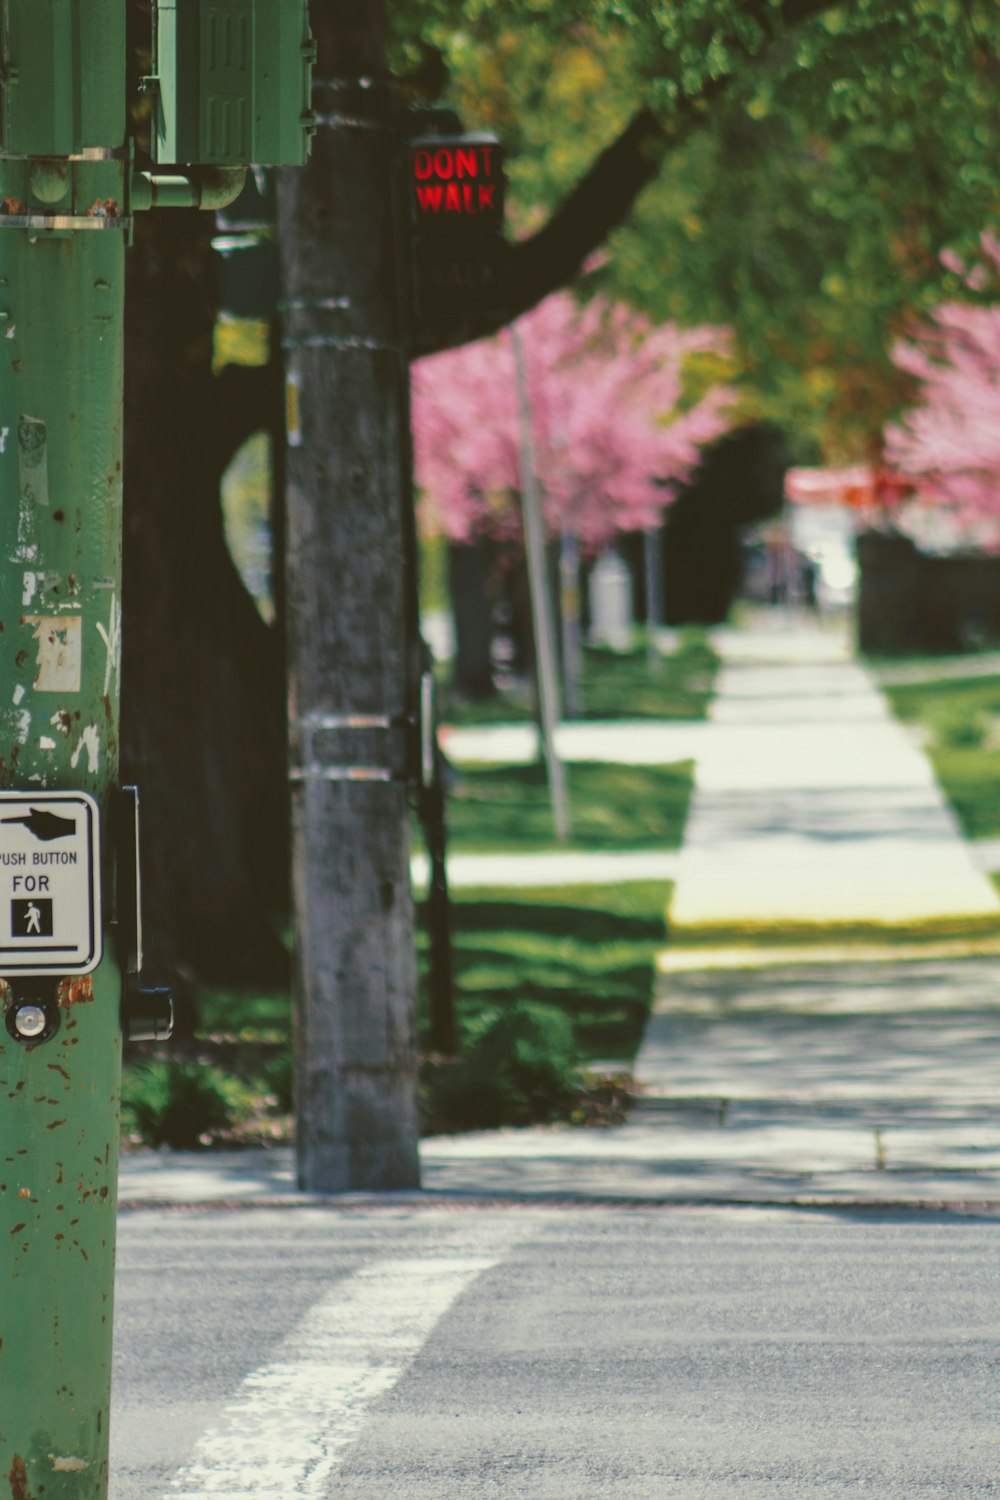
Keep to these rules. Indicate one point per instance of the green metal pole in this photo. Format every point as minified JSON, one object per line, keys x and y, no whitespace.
{"x":67,"y":190}
{"x":63,"y":230}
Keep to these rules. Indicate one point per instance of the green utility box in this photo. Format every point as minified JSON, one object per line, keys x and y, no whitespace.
{"x":233,"y":82}
{"x":61,"y":64}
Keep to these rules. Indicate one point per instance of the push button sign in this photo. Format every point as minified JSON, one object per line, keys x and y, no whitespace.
{"x":50,"y":889}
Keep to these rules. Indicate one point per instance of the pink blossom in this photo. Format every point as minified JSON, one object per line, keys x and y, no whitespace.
{"x":949,"y":444}
{"x":610,"y":444}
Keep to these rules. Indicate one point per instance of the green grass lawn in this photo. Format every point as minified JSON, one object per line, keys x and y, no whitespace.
{"x":614,"y":685}
{"x":584,"y":953}
{"x":507,"y":808}
{"x":961,"y":718}
{"x":971,"y":781}
{"x":588,"y":950}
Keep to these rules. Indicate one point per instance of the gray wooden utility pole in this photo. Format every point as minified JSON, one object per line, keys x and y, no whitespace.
{"x":348,"y":640}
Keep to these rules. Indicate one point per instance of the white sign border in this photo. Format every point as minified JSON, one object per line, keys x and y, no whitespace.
{"x":30,"y":966}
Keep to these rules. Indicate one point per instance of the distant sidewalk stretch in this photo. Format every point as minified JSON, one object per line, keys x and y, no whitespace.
{"x":812,"y":805}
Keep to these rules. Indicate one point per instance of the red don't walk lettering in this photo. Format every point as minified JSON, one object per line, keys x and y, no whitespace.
{"x":456,"y":197}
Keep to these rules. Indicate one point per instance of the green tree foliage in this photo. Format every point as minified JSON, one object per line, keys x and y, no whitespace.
{"x":806,"y":163}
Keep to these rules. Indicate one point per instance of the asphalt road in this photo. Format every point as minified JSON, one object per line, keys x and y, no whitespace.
{"x":468,"y":1350}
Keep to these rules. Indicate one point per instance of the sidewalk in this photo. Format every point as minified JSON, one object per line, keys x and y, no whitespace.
{"x":769,"y":1077}
{"x":871,"y":1085}
{"x":812,"y":805}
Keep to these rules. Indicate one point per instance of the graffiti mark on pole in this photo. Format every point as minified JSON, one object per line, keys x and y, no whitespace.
{"x":112,"y":638}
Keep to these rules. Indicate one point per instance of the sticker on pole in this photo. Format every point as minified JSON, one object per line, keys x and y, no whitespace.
{"x":50,"y":883}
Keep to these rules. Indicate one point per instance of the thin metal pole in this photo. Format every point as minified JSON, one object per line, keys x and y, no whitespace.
{"x":569,"y":616}
{"x":541,"y":610}
{"x":651,"y":555}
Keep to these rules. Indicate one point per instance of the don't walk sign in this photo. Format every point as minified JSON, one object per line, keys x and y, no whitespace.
{"x":50,"y":889}
{"x":458,"y":255}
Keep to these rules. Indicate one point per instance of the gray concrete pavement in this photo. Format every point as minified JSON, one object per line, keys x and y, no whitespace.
{"x":433,"y":1353}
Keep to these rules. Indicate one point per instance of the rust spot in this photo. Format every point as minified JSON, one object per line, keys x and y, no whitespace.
{"x":64,"y":721}
{"x":75,"y":991}
{"x":55,"y":1124}
{"x":18,"y":1227}
{"x":11,"y":205}
{"x":24,"y":1192}
{"x":103,"y":208}
{"x":18,"y":1473}
{"x":58,"y":515}
{"x":72,"y":583}
{"x":58,"y":1068}
{"x":21,"y":659}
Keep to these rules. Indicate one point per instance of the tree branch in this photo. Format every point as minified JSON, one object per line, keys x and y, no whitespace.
{"x":603,"y":198}
{"x":246,"y":399}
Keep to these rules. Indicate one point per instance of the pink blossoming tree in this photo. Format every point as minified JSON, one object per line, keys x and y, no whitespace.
{"x":611,"y":444}
{"x":948,"y":446}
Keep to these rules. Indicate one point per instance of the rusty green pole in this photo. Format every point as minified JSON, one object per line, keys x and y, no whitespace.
{"x":63,"y":226}
{"x":67,"y":191}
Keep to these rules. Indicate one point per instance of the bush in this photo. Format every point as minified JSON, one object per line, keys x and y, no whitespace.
{"x":276,"y":1072}
{"x":962,"y":726}
{"x":519,"y":1067}
{"x":180,"y":1104}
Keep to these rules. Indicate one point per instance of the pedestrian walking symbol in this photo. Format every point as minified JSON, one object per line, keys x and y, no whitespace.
{"x":31,"y":917}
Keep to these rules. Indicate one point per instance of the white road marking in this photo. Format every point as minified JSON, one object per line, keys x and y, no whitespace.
{"x":294,"y":1418}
